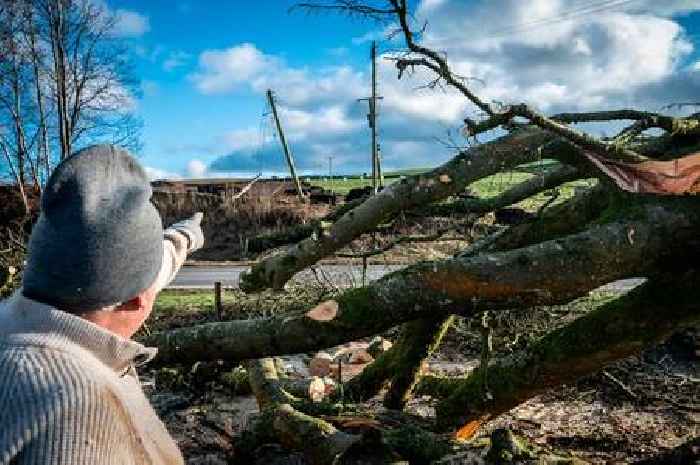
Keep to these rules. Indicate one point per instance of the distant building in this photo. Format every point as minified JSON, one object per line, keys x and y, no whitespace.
{"x":224,"y":186}
{"x":261,"y":188}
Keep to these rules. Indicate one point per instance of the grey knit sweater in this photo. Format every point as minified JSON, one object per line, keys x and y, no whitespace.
{"x":69,"y":393}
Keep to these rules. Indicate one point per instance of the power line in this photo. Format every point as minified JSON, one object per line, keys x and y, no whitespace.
{"x":595,"y":7}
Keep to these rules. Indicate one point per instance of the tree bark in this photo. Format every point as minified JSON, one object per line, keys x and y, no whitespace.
{"x":419,"y":339}
{"x":401,"y":363}
{"x":56,"y":18}
{"x":569,"y":217}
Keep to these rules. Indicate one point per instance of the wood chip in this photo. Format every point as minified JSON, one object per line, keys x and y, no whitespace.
{"x":325,"y":311}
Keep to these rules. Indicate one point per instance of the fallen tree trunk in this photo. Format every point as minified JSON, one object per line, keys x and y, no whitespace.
{"x":551,"y":272}
{"x":615,"y":330}
{"x":569,"y":217}
{"x":450,"y":178}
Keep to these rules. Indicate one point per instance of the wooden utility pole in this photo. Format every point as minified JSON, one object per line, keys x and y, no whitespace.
{"x":217,"y":300}
{"x":285,"y":147}
{"x":377,"y":180}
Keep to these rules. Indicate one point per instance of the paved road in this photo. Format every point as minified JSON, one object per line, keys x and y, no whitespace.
{"x":203,"y":277}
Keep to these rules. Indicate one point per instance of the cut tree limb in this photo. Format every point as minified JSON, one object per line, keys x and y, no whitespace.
{"x":611,"y":332}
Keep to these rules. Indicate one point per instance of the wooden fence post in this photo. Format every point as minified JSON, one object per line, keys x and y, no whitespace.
{"x":217,"y":299}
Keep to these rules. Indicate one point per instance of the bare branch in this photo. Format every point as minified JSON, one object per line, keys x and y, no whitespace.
{"x":579,"y":138}
{"x":349,"y":7}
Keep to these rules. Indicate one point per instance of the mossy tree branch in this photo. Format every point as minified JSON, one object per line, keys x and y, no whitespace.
{"x":613,"y":331}
{"x":400,"y":365}
{"x":418,"y":340}
{"x":569,"y":217}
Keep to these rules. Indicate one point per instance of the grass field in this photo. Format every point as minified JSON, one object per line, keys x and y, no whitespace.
{"x":343,"y":184}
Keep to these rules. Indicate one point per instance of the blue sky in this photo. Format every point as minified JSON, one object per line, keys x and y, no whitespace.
{"x":180,"y":123}
{"x":205,"y":65}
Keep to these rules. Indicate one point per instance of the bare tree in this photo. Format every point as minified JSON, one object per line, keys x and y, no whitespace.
{"x":65,"y":80}
{"x":13,"y":97}
{"x":91,"y":75}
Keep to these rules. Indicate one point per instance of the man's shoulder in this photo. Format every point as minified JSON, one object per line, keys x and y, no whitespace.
{"x":49,"y":396}
{"x":48,"y":372}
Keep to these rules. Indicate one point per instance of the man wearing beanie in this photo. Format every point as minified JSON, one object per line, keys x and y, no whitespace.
{"x":98,"y":256}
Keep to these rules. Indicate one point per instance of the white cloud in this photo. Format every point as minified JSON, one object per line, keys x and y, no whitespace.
{"x":222,"y":70}
{"x":175,"y":60}
{"x":240,"y":139}
{"x":557,"y":55}
{"x":196,"y":169}
{"x":130,"y":24}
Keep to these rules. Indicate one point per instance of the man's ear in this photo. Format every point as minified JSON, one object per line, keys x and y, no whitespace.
{"x":133,"y":305}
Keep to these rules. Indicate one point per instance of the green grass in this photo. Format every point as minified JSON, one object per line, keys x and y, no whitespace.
{"x":188,"y":301}
{"x":343,"y":185}
{"x":494,"y":185}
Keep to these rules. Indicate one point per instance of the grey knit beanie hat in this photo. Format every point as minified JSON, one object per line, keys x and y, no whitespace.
{"x":99,"y":239}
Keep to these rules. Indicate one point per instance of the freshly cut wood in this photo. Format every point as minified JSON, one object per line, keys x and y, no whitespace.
{"x":320,"y":364}
{"x":360,"y":357}
{"x":378,"y":345}
{"x":325,"y":311}
{"x":317,"y":389}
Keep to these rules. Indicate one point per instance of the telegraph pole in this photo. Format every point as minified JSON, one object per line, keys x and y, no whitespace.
{"x":285,"y":147}
{"x":372,"y":120}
